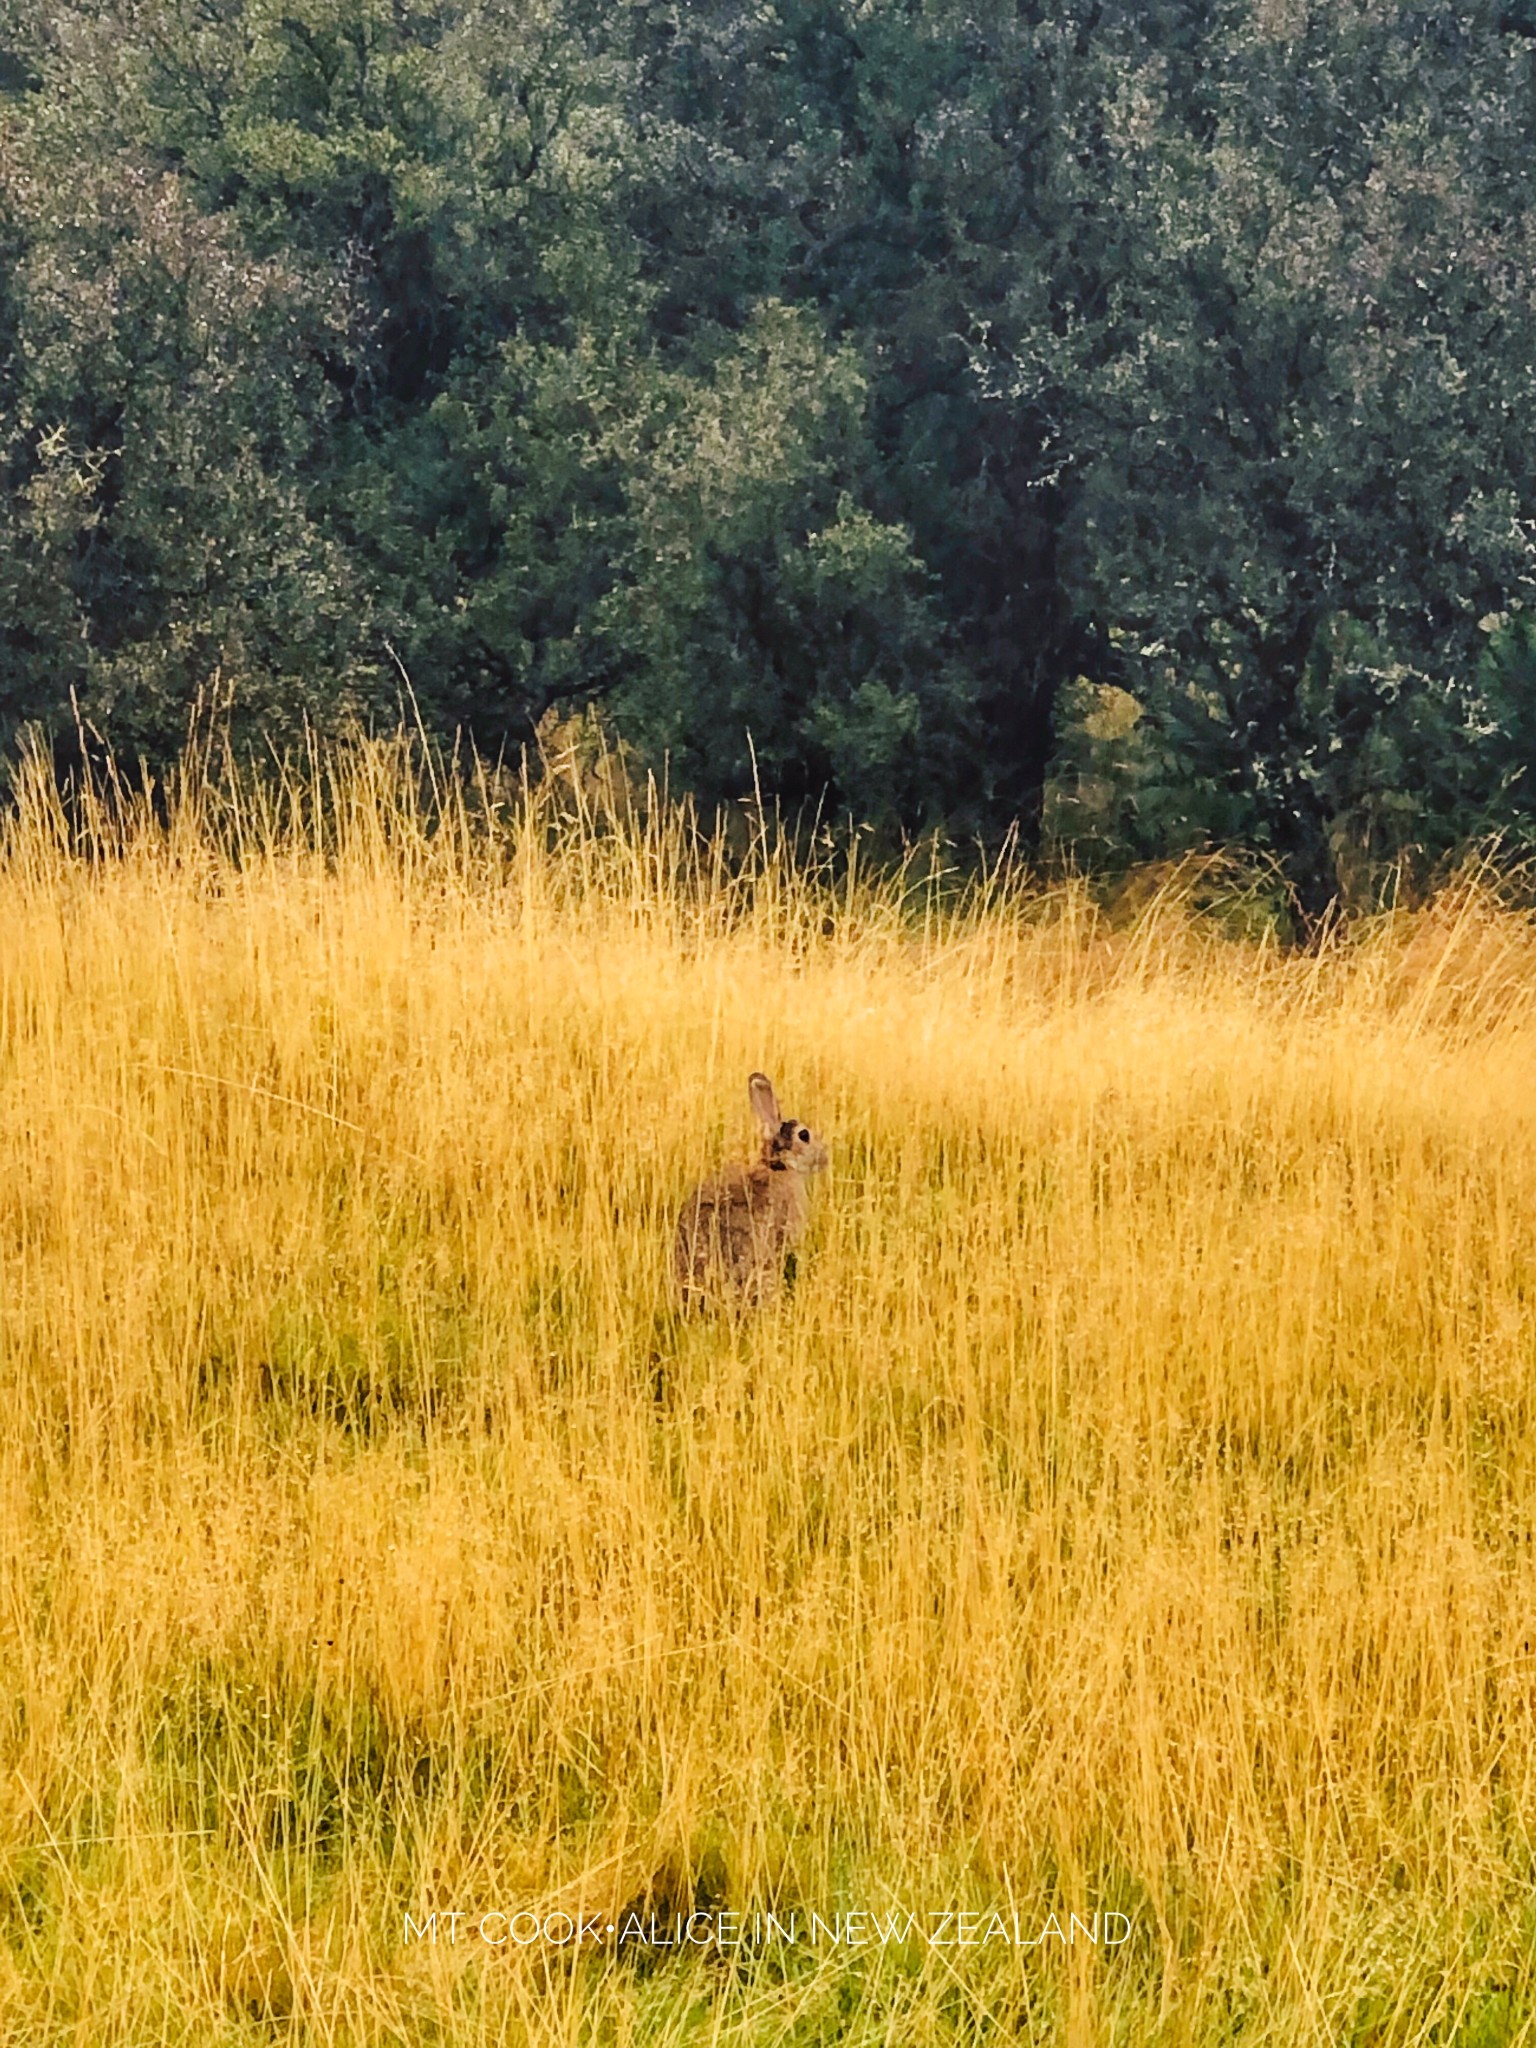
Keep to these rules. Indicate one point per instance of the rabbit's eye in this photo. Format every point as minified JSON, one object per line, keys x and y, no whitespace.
{"x":804,"y":1135}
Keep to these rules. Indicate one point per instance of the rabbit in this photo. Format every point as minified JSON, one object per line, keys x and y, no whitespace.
{"x":736,"y":1230}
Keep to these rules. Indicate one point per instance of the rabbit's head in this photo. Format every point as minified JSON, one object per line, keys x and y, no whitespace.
{"x":788,"y":1145}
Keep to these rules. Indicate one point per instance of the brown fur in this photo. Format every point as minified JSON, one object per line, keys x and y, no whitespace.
{"x":737,"y":1229}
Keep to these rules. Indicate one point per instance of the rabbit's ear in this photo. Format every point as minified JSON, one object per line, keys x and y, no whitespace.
{"x":765,"y":1105}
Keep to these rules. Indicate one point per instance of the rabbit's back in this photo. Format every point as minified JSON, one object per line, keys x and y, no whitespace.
{"x":733,"y":1234}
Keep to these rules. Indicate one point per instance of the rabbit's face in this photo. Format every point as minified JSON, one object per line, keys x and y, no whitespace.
{"x":796,"y":1147}
{"x":786,"y":1141}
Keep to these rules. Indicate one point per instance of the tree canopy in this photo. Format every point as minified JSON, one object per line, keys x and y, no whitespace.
{"x":1111,"y":419}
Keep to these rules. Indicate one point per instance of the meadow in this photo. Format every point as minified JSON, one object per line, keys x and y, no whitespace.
{"x":1129,"y":1511}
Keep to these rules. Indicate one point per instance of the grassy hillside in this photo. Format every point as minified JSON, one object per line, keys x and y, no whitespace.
{"x":1131,"y":1511}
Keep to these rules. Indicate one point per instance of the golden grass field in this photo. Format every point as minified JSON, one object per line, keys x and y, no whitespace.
{"x":1131,"y":1510}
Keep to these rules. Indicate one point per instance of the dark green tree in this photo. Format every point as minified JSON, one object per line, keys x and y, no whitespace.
{"x":1108,"y":418}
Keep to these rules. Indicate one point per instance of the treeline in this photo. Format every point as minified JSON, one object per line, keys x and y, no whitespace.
{"x":1114,"y":416}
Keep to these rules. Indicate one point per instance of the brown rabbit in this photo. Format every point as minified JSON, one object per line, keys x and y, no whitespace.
{"x":736,"y":1230}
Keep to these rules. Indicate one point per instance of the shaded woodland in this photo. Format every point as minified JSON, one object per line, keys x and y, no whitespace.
{"x":1112,"y":422}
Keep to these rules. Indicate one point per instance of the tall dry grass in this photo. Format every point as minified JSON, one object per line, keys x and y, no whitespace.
{"x":1132,"y":1510}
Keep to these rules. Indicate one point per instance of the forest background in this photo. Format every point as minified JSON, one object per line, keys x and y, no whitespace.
{"x":1107,"y":423}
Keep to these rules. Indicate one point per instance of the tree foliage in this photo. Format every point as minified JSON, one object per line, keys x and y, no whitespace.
{"x":1113,"y":418}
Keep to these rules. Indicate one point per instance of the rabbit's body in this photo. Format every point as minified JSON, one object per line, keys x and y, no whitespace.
{"x":737,"y":1229}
